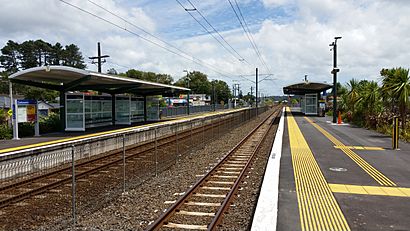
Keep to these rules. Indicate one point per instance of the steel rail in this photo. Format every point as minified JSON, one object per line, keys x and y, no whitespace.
{"x":186,"y":135}
{"x":164,"y":218}
{"x":218,"y":217}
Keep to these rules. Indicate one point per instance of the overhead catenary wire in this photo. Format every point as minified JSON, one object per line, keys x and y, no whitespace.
{"x":183,"y":55}
{"x":232,"y":50}
{"x":251,"y":36}
{"x":248,"y":34}
{"x":163,"y":41}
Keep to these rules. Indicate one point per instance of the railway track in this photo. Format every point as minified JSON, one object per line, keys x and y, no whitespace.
{"x":26,"y":188}
{"x":203,"y":205}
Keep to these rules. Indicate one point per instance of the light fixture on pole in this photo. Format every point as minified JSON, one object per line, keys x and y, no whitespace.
{"x":334,"y":72}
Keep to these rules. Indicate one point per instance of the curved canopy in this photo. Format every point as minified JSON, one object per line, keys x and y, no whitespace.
{"x":305,"y":88}
{"x":63,"y":78}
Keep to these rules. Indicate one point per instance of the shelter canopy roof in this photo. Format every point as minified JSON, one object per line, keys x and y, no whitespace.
{"x":63,"y":78}
{"x":306,"y":88}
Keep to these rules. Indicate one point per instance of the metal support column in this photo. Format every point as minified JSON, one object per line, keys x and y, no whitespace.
{"x":145,"y":109}
{"x":62,"y":110}
{"x":113,"y":115}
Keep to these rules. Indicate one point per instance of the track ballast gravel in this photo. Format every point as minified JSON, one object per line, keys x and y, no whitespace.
{"x":144,"y":202}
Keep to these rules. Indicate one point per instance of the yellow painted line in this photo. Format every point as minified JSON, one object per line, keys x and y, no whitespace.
{"x":370,"y":190}
{"x":361,"y":148}
{"x":368,"y":168}
{"x":109,"y":132}
{"x":318,"y":208}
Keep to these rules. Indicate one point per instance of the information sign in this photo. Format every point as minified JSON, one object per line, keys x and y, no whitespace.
{"x":31,"y":113}
{"x":22,"y":114}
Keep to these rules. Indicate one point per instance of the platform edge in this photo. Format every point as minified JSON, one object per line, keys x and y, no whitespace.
{"x":265,"y":217}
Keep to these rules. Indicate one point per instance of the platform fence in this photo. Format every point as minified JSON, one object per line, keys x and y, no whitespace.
{"x":38,"y":160}
{"x":182,"y":110}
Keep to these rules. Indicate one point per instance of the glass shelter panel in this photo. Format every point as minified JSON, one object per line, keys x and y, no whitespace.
{"x":311,"y":104}
{"x":137,"y":110}
{"x":75,"y":120}
{"x":122,"y":110}
{"x":98,"y":111}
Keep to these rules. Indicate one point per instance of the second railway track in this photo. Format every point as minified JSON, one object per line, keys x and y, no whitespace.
{"x":203,"y":206}
{"x":26,"y":188}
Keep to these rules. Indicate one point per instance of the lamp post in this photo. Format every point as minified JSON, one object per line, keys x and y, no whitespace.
{"x":213,"y":95}
{"x":334,"y":72}
{"x":188,"y":91}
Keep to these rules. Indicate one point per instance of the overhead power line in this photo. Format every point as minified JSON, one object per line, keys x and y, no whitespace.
{"x":184,"y":55}
{"x":248,"y":34}
{"x":232,"y":50}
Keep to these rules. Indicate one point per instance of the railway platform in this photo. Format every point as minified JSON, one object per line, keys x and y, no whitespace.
{"x":60,"y":137}
{"x":334,"y":177}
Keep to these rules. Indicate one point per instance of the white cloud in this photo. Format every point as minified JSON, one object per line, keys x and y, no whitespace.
{"x":275,"y":3}
{"x":376,"y":34}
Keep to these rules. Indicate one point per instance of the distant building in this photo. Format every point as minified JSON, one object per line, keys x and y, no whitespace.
{"x":45,"y":108}
{"x":194,"y":100}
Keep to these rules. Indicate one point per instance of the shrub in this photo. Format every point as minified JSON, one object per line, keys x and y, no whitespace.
{"x":26,"y":129}
{"x":5,"y":132}
{"x":50,"y":123}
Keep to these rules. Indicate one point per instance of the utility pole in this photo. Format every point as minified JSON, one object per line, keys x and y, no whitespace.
{"x":256,"y":75}
{"x":100,"y":58}
{"x":234,"y":95}
{"x":187,"y":78}
{"x":214,"y":95}
{"x":236,"y":92}
{"x":334,"y":72}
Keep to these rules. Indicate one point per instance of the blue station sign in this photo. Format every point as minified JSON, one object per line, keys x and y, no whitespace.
{"x":26,"y":101}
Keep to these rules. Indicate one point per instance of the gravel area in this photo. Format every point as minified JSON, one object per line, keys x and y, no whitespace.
{"x":141,"y":206}
{"x":145,"y":200}
{"x":240,"y":214}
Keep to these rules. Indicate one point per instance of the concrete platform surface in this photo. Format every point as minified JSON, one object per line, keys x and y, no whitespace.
{"x":341,"y":177}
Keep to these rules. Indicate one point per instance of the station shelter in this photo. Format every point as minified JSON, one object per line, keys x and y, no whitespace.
{"x":120,"y":100}
{"x":311,"y":102}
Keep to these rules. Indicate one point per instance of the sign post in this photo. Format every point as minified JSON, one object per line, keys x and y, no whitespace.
{"x":15,"y":121}
{"x":37,"y":124}
{"x":28,"y":112}
{"x":395,"y":133}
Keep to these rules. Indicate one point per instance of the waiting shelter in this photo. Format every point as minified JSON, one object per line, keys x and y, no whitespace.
{"x":122,"y":100}
{"x":310,"y":102}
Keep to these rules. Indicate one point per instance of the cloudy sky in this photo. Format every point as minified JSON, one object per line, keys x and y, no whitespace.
{"x":292,"y":36}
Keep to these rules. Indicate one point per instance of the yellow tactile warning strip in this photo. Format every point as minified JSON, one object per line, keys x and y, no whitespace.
{"x":108,"y":132}
{"x":369,"y":169}
{"x":318,"y":208}
{"x":362,"y":148}
{"x":370,"y":190}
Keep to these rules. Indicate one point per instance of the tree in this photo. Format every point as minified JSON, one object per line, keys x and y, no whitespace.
{"x":396,"y":84}
{"x":352,"y":94}
{"x":222,"y":91}
{"x":71,"y":56}
{"x":198,"y":83}
{"x":112,"y":71}
{"x":148,"y":76}
{"x":15,"y":57}
{"x":249,"y":98}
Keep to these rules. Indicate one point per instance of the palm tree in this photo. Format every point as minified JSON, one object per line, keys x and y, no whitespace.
{"x":370,"y":101}
{"x":396,"y":83}
{"x":353,"y":94}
